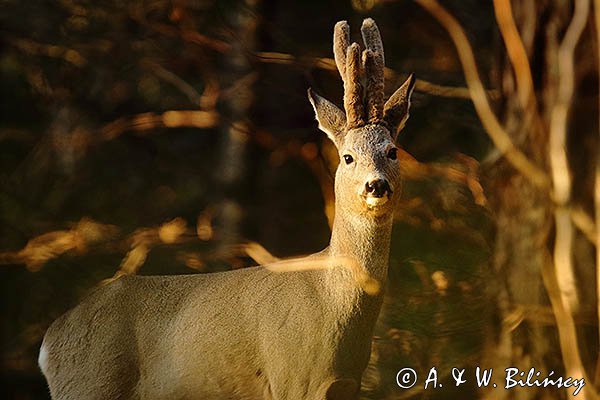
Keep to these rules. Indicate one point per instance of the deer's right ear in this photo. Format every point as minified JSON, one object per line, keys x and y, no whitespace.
{"x":331,"y":119}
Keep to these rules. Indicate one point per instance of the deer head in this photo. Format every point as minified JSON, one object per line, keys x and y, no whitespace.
{"x":367,"y":178}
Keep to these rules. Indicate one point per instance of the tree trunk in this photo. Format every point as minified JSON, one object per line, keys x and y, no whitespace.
{"x":238,"y":77}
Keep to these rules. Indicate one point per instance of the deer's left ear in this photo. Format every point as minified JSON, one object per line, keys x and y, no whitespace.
{"x":331,"y":119}
{"x":396,"y":109}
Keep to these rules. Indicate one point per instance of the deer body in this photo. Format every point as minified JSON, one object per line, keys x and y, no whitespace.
{"x":252,"y":333}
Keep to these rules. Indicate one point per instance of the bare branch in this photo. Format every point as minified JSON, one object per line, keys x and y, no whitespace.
{"x":560,"y":283}
{"x":516,"y":53}
{"x":189,"y":36}
{"x":559,"y":164}
{"x":489,"y":120}
{"x":363,"y":280}
{"x":584,"y":222}
{"x":259,"y":254}
{"x":43,"y":248}
{"x":567,"y":332}
{"x":391,"y":75}
{"x":286,"y":59}
{"x":168,"y":76}
{"x":168,"y":119}
{"x":414,"y":170}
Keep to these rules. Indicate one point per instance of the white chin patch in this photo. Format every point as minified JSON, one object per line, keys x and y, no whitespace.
{"x":376,"y":201}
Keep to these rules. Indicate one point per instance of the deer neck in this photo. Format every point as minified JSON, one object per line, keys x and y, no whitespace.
{"x":354,"y":311}
{"x":364,"y":238}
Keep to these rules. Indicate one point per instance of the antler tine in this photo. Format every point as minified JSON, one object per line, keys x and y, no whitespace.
{"x":341,"y":41}
{"x":372,"y":37}
{"x":374,"y":65}
{"x":353,"y":103}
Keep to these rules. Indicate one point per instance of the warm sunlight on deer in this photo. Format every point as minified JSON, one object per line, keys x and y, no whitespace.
{"x":256,"y":333}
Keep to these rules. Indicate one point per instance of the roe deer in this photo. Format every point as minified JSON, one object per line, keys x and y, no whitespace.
{"x":254,"y":333}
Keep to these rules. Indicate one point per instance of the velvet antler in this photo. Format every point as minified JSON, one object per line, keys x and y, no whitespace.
{"x":347,"y":59}
{"x":366,"y":105}
{"x":353,"y":99}
{"x":374,"y":65}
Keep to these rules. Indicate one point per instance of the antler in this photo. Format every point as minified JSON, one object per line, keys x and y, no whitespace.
{"x":353,"y":100}
{"x":341,"y":42}
{"x":374,"y":65}
{"x":348,"y":61}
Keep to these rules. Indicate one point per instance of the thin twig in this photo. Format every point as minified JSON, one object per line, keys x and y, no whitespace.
{"x":584,"y":222}
{"x":189,"y":36}
{"x":50,"y":245}
{"x":221,"y":46}
{"x":286,"y":59}
{"x":489,"y":120}
{"x":329,"y":65}
{"x":168,"y":76}
{"x":415,"y":170}
{"x":319,"y":262}
{"x":168,"y":119}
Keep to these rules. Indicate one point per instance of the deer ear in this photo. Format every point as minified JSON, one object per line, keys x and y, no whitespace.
{"x":331,"y":119}
{"x":396,"y":109}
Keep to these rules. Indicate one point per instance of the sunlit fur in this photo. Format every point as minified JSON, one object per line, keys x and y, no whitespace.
{"x":369,"y":147}
{"x":250,"y":333}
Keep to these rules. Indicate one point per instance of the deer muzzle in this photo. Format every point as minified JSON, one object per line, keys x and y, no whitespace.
{"x":378,"y":188}
{"x":377,"y":192}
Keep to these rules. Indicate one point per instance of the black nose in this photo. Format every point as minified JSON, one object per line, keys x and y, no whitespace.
{"x":378,"y":187}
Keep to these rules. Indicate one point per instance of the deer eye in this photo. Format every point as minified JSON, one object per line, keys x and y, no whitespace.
{"x":393,"y":153}
{"x":348,"y":158}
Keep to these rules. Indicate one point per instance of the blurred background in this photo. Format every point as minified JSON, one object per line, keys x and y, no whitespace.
{"x":175,"y":137}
